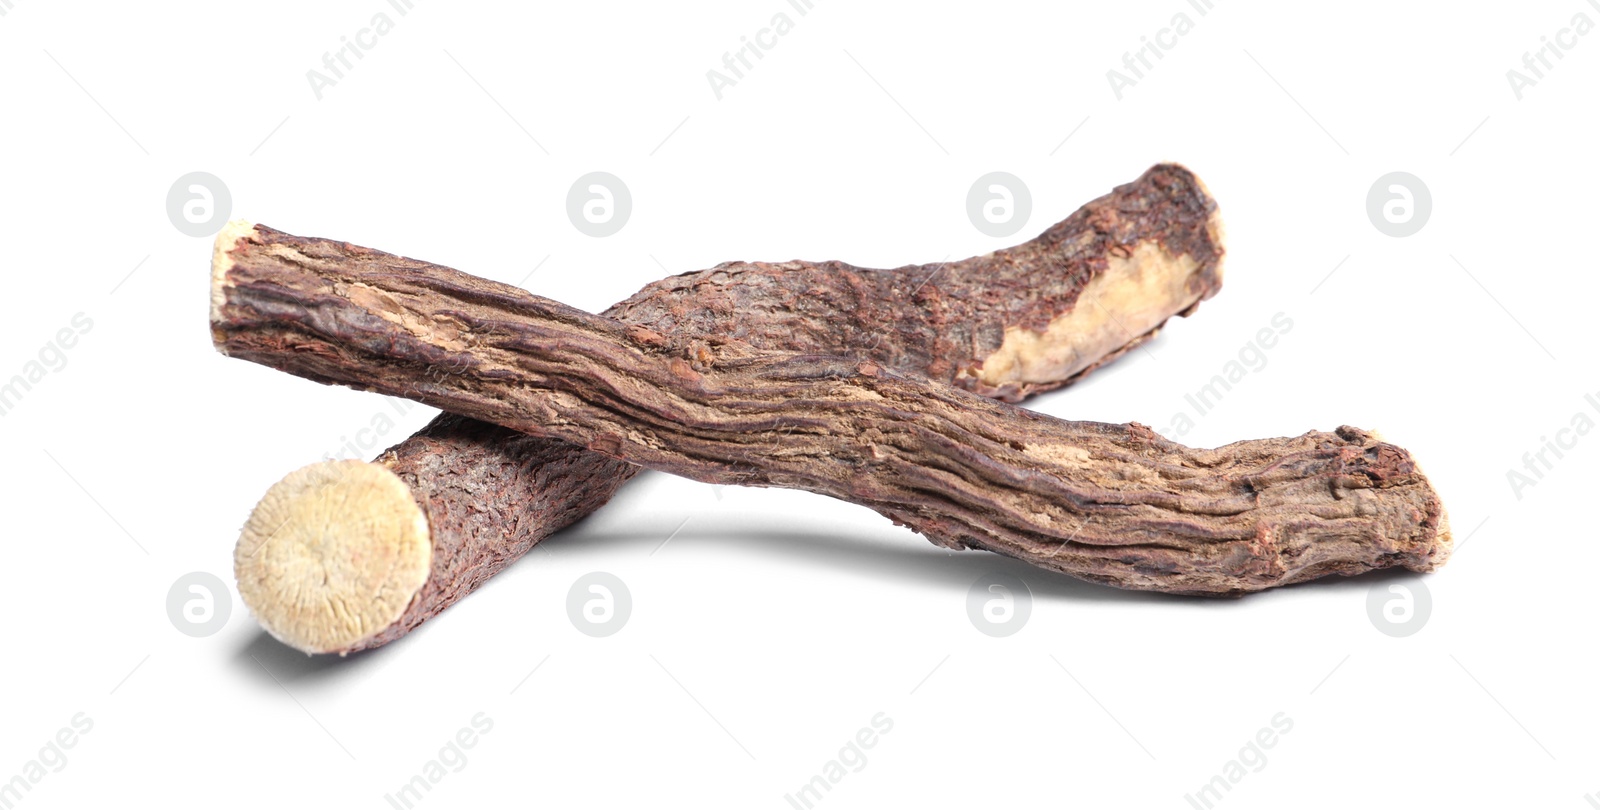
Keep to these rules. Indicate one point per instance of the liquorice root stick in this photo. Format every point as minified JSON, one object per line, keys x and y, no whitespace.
{"x":1007,"y":324}
{"x":1115,"y":504}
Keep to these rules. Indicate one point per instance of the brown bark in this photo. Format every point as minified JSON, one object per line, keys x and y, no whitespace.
{"x":1109,"y":503}
{"x":1118,"y":267}
{"x":491,"y":493}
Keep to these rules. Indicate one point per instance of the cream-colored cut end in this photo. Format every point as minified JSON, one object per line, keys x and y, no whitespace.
{"x":332,"y":555}
{"x":1134,"y":295}
{"x":221,"y":262}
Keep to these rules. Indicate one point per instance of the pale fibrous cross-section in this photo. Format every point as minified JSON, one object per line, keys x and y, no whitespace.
{"x":332,"y":555}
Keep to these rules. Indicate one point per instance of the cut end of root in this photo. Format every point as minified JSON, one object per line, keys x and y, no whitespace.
{"x":221,"y":262}
{"x":1442,"y":544}
{"x":1146,"y":286}
{"x":1218,"y":234}
{"x":1433,"y":543}
{"x":332,"y":555}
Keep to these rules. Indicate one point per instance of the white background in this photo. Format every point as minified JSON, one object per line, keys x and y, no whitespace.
{"x":775,"y":624}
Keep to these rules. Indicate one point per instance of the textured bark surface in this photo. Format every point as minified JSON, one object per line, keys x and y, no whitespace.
{"x":1116,"y":504}
{"x":491,"y":493}
{"x":1129,"y":260}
